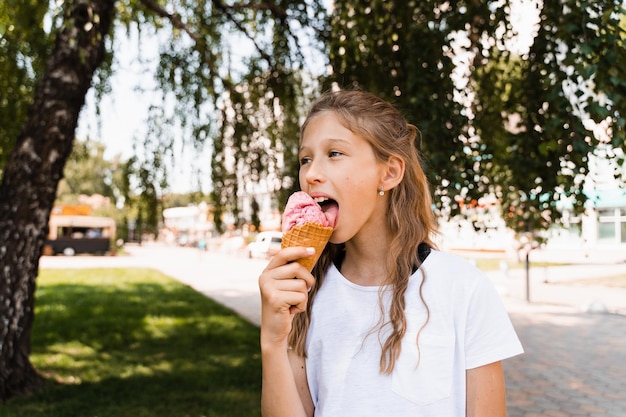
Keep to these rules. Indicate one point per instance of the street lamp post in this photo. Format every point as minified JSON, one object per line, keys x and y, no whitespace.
{"x":527,"y":243}
{"x":527,"y":275}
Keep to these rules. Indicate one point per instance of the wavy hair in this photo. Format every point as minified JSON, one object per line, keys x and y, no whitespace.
{"x":411,"y":219}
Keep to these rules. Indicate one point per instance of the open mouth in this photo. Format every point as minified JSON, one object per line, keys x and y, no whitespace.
{"x":330,"y":209}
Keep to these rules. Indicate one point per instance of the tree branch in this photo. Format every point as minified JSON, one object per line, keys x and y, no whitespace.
{"x":178,"y":23}
{"x":174,"y":18}
{"x":227,"y":11}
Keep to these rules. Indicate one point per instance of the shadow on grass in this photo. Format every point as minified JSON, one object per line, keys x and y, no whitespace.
{"x":132,"y":342}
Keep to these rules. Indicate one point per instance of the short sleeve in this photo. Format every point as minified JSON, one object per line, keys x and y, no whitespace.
{"x":489,"y":335}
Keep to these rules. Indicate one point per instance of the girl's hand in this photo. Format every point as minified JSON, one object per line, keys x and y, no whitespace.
{"x":284,"y":286}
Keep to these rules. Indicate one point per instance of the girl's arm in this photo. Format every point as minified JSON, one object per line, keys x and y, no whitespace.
{"x":486,"y":395}
{"x":285,"y":390}
{"x":299,"y":373}
{"x":284,"y":292}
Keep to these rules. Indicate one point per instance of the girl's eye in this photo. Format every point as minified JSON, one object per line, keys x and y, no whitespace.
{"x":305,"y":160}
{"x":334,"y":153}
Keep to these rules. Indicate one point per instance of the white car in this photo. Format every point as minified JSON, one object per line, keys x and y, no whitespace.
{"x":265,"y":245}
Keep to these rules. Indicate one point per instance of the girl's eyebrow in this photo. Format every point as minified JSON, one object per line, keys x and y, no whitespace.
{"x":338,"y":141}
{"x":331,"y":142}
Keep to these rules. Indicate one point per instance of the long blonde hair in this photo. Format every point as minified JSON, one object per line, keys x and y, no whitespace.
{"x":411,"y":219}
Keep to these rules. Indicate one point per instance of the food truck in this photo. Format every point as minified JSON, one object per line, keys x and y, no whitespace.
{"x":72,"y":234}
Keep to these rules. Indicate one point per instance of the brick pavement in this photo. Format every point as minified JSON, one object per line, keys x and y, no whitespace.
{"x":574,"y":363}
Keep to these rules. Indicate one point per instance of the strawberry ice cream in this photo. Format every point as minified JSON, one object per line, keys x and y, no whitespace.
{"x":301,"y":208}
{"x":305,"y":223}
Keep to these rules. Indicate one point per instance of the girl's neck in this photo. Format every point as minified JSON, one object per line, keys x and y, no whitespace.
{"x":365,"y":262}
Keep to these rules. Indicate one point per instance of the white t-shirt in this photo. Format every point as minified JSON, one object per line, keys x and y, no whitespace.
{"x":468,"y":328}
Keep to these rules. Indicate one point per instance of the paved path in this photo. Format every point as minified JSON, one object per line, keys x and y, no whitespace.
{"x":571,"y":286}
{"x":574,"y":334}
{"x":574,"y":364}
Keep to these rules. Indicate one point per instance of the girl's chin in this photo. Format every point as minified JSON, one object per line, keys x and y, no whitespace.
{"x":337,"y":238}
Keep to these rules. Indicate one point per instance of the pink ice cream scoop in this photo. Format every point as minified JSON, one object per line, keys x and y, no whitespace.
{"x":301,"y":208}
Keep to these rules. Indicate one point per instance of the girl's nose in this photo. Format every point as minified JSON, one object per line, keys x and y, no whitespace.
{"x":313,"y":173}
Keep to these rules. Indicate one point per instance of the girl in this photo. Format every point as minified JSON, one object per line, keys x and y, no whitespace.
{"x":385,"y":325}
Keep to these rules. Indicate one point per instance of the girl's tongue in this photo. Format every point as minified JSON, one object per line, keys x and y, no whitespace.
{"x":331,"y":209}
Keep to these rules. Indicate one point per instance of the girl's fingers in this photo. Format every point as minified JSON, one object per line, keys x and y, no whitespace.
{"x":291,"y":254}
{"x":285,"y":284}
{"x":284,"y":266}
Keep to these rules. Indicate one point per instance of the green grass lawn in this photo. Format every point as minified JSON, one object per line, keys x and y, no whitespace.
{"x":136,"y":343}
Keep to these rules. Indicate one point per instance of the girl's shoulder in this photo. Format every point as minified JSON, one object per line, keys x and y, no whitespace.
{"x":446,"y":263}
{"x":448,"y":275}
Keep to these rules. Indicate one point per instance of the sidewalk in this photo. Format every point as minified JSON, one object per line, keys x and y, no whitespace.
{"x":573,"y":286}
{"x":574,"y":283}
{"x":574,"y":364}
{"x":574,"y":337}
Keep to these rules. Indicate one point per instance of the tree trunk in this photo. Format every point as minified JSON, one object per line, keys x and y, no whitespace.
{"x":31,"y":176}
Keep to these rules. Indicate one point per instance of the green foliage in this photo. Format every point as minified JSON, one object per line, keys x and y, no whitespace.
{"x":133,"y":342}
{"x":149,"y":169}
{"x":258,"y":139}
{"x":229,"y":78}
{"x":212,"y":55}
{"x":253,"y":137}
{"x":183,"y":200}
{"x":88,"y":172}
{"x":514,"y":125}
{"x":24,"y":46}
{"x":530,"y":110}
{"x":236,"y":79}
{"x":403,"y":51}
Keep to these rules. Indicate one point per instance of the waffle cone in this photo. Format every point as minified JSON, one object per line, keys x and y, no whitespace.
{"x":309,"y":235}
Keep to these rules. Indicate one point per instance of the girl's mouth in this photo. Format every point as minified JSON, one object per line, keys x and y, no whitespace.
{"x":330,"y":209}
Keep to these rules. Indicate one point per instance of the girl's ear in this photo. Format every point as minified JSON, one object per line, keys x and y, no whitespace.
{"x":394,"y":172}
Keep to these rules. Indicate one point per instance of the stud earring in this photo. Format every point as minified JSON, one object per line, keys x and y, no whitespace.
{"x":381,"y":192}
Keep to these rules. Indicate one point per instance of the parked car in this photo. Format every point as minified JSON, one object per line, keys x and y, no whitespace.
{"x":265,"y":245}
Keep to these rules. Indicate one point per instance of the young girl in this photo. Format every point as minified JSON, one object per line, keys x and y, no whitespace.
{"x":385,"y":325}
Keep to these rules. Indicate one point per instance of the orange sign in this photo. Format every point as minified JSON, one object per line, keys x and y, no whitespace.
{"x":72,"y":210}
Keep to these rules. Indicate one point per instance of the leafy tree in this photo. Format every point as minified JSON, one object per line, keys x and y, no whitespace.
{"x":88,"y":172}
{"x":253,"y":140}
{"x":532,"y":107}
{"x":405,"y":51}
{"x":196,"y":78}
{"x":514,"y":125}
{"x":182,"y":200}
{"x":23,"y":48}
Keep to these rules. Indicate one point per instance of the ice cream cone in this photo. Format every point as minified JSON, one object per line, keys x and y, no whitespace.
{"x":308,"y":235}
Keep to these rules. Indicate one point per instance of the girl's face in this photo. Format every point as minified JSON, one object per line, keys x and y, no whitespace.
{"x":340,"y":171}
